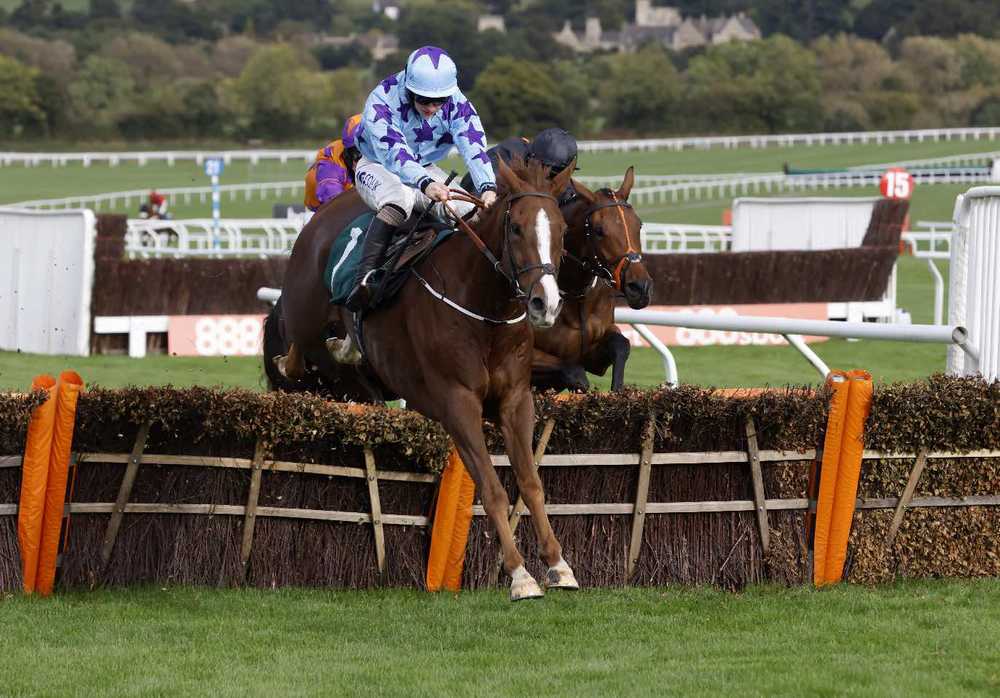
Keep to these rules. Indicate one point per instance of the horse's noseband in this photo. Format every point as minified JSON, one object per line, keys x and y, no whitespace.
{"x":515,"y":275}
{"x":593,"y":263}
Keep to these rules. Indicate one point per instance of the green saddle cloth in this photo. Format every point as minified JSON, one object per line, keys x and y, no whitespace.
{"x":345,"y":254}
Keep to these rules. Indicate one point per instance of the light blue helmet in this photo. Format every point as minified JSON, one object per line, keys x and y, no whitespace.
{"x":430,"y":72}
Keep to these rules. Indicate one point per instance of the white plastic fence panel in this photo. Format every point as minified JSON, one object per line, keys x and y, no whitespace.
{"x":46,"y":278}
{"x":974,"y":286}
{"x":812,"y":223}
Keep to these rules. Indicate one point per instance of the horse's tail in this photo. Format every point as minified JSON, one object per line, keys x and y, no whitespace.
{"x":274,"y":345}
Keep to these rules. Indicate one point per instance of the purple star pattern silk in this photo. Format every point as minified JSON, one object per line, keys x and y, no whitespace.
{"x":382,"y":111}
{"x":432,"y":52}
{"x":388,"y":83}
{"x":446,"y":110}
{"x":465,"y":111}
{"x":404,"y":109}
{"x":403,"y":157}
{"x":473,"y":135}
{"x":424,"y":132}
{"x":403,"y":144}
{"x":392,"y":137}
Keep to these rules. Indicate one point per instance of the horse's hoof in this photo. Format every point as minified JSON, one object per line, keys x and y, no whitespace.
{"x":523,"y":586}
{"x":343,"y":350}
{"x":560,"y":576}
{"x":281,"y":363}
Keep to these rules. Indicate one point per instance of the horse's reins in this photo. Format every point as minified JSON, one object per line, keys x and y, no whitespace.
{"x":593,"y":263}
{"x":513,"y":278}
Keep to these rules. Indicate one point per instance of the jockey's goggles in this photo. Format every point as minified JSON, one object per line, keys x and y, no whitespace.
{"x":429,"y":101}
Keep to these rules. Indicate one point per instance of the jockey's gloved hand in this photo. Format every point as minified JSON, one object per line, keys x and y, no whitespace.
{"x":436,"y":191}
{"x":489,"y":197}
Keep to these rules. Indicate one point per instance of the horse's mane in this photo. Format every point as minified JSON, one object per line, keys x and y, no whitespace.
{"x":532,"y":173}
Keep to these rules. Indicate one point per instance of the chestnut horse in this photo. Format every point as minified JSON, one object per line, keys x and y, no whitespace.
{"x":602,"y":261}
{"x":454,"y":343}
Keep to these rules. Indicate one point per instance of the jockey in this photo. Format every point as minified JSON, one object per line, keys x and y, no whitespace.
{"x":411,"y":120}
{"x":553,"y":147}
{"x":157,"y":207}
{"x":333,"y":171}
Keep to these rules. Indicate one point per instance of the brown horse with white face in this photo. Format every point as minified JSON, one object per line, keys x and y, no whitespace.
{"x":603,"y":261}
{"x":456,"y":343}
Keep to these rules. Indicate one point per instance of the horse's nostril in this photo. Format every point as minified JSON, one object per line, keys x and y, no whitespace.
{"x":536,"y":305}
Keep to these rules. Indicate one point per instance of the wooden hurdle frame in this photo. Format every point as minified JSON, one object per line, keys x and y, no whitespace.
{"x":645,"y":459}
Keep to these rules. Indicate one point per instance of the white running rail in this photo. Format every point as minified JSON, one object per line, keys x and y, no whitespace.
{"x":785,"y":140}
{"x":974,"y":289}
{"x":197,"y":238}
{"x":133,"y":199}
{"x":971,"y":159}
{"x":958,"y":339}
{"x":170,"y":157}
{"x":678,"y":238}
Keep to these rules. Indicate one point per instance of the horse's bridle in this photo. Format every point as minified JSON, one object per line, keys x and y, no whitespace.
{"x":513,"y":276}
{"x":591,"y":261}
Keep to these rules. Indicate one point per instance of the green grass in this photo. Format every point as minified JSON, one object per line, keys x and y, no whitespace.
{"x":917,"y":638}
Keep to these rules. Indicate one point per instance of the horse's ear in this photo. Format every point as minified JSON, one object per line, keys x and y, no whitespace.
{"x":561,"y":180}
{"x":508,"y":178}
{"x":584,"y":193}
{"x":626,"y":188}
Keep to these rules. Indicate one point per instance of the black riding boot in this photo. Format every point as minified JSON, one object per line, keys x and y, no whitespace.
{"x":376,"y":240}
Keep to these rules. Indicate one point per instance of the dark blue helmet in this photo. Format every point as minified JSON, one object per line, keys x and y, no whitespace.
{"x":554,"y":147}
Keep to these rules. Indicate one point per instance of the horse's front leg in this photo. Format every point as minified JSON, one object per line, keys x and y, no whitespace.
{"x":517,"y":422}
{"x":613,"y":350}
{"x":550,"y":373}
{"x":464,"y":422}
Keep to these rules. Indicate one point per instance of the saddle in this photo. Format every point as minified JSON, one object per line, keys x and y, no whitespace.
{"x":413,"y":241}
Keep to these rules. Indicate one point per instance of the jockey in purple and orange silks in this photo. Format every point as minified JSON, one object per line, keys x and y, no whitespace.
{"x":333,"y":172}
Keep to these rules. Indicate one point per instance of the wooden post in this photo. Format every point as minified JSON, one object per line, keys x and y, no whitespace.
{"x":904,"y":500}
{"x":372,"y":477}
{"x":124,"y":492}
{"x":641,"y":496}
{"x":760,"y":504}
{"x":519,"y":508}
{"x":250,"y":516}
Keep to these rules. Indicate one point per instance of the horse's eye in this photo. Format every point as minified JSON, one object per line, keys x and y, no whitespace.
{"x":599,"y":232}
{"x":515,"y":229}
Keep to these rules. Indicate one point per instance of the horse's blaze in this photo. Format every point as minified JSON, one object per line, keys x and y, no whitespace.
{"x":543,"y":235}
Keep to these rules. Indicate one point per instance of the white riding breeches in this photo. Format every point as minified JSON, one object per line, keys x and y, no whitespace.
{"x":378,"y":187}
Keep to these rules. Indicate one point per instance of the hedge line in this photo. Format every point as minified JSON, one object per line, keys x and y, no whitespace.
{"x":941,"y":413}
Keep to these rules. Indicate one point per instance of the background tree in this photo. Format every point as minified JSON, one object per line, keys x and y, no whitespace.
{"x":803,"y":20}
{"x":20,"y":107}
{"x":851,"y":70}
{"x":104,"y":9}
{"x":518,"y":98}
{"x":641,"y":92}
{"x":771,"y":85}
{"x":273,"y":107}
{"x":102,"y":91}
